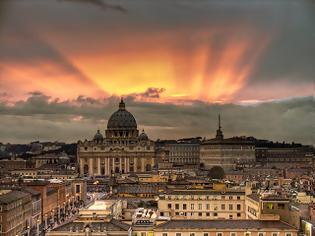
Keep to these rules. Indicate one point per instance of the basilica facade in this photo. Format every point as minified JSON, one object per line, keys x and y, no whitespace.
{"x":121,"y":150}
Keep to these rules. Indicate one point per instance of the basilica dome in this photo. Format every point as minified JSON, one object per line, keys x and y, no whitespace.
{"x":122,"y":119}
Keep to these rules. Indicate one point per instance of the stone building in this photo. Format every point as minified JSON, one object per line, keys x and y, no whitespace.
{"x":182,"y":152}
{"x":227,"y":153}
{"x":15,"y":212}
{"x":36,"y":218}
{"x":122,"y":150}
{"x":283,"y":155}
{"x":203,"y":204}
{"x":57,"y":198}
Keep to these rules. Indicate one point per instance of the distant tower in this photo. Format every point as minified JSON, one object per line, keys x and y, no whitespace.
{"x":219,"y":131}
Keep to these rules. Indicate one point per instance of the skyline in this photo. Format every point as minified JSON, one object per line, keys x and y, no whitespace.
{"x":177,"y":63}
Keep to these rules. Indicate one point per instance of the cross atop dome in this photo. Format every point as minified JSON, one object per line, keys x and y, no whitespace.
{"x":122,"y":105}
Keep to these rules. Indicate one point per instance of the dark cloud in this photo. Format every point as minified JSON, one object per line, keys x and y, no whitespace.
{"x":27,"y":49}
{"x":289,"y":24}
{"x":40,"y":117}
{"x":153,"y":93}
{"x":99,"y":3}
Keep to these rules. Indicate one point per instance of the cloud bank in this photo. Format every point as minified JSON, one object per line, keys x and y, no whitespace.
{"x":44,"y":118}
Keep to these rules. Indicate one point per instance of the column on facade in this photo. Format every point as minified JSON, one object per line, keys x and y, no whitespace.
{"x":128,"y":164}
{"x":99,"y":166}
{"x":142,"y":165}
{"x":105,"y":167}
{"x":108,"y":166}
{"x":90,"y":166}
{"x":81,"y":167}
{"x":125,"y":164}
{"x":113,"y":166}
{"x":135,"y":164}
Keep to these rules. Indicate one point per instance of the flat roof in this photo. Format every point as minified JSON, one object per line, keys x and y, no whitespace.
{"x":225,"y":224}
{"x":101,"y":205}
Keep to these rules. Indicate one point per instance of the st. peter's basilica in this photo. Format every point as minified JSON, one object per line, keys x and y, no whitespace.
{"x":122,"y":150}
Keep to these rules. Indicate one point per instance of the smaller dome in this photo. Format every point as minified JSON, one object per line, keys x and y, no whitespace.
{"x":98,"y":137}
{"x":143,"y":136}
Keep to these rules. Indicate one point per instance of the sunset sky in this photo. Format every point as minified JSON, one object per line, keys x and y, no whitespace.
{"x":178,"y":63}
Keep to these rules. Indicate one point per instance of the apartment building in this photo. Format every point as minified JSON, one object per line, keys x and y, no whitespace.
{"x":203,"y":204}
{"x":15,"y":212}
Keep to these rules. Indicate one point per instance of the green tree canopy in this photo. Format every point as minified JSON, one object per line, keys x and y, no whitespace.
{"x":216,"y":172}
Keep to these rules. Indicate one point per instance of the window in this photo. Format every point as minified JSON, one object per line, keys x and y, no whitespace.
{"x":232,"y":234}
{"x":200,"y":214}
{"x":288,"y":234}
{"x":143,"y":234}
{"x":219,"y":234}
{"x":238,"y":207}
{"x":281,"y":205}
{"x":238,"y":214}
{"x":208,"y":206}
{"x":238,"y":197}
{"x":184,"y":206}
{"x":270,"y":206}
{"x":164,"y":234}
{"x":215,"y":214}
{"x":261,"y":234}
{"x":178,"y":234}
{"x":205,"y":234}
{"x":247,"y":234}
{"x":230,"y":197}
{"x":192,"y":206}
{"x":208,"y":214}
{"x":222,"y":207}
{"x":230,"y":217}
{"x":169,"y":206}
{"x":77,"y":188}
{"x":176,"y":206}
{"x":230,"y":207}
{"x":161,"y":213}
{"x":274,"y":234}
{"x":192,"y":234}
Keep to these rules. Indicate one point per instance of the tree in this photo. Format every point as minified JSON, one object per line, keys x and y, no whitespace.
{"x":216,"y":172}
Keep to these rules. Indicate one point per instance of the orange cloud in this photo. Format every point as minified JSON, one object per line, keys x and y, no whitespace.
{"x":191,"y":65}
{"x":210,"y":65}
{"x":48,"y":79}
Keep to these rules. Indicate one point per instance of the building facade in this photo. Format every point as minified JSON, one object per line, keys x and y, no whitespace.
{"x":123,"y":149}
{"x":182,"y":152}
{"x":227,"y":153}
{"x":203,"y":204}
{"x":15,"y":213}
{"x":282,"y":155}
